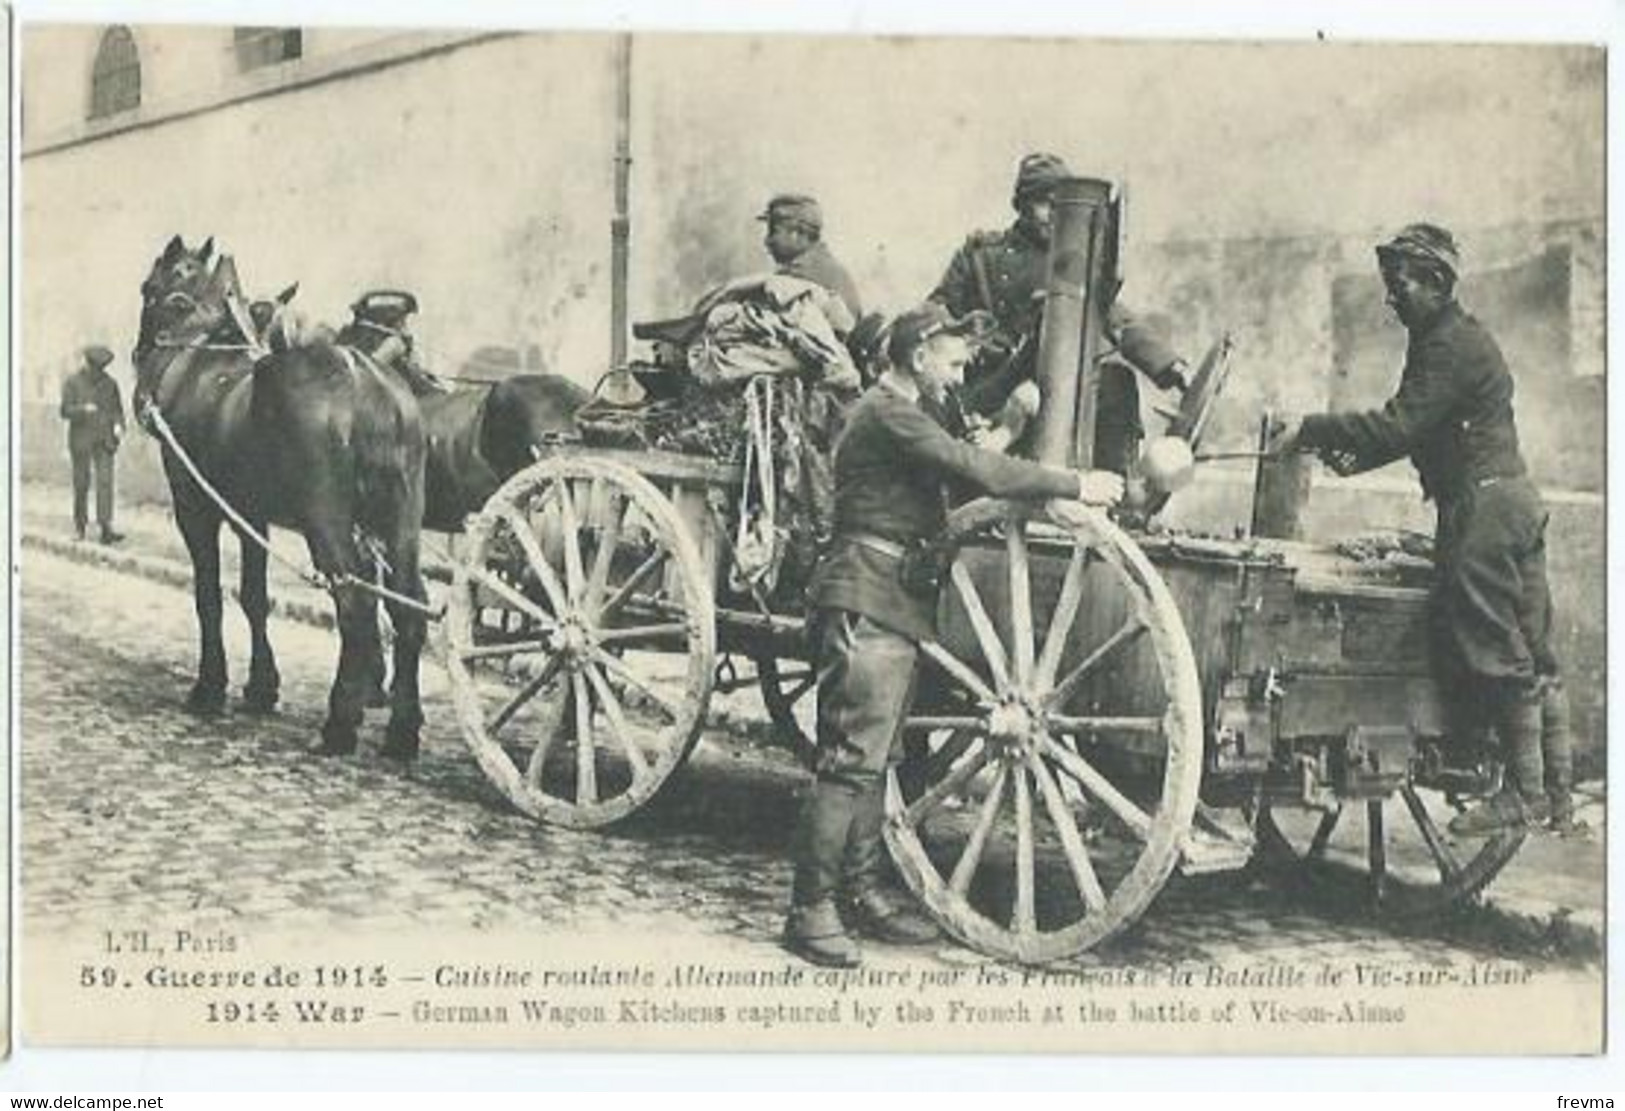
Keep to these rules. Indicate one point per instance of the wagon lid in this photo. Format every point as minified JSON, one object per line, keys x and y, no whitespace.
{"x":679,"y":330}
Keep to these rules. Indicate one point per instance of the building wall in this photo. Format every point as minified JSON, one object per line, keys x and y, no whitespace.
{"x":492,"y":203}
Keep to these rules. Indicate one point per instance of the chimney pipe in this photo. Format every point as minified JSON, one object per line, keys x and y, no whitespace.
{"x":1069,"y":340}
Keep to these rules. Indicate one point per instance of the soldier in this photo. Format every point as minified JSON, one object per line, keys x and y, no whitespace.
{"x":795,"y":239}
{"x":1491,"y":608}
{"x":378,"y":326}
{"x":94,"y":410}
{"x":871,"y":607}
{"x":1003,"y":273}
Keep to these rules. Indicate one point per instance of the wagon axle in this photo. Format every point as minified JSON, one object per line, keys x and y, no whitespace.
{"x":574,"y":640}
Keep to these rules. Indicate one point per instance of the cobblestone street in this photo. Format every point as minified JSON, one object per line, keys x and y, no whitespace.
{"x":132,"y":809}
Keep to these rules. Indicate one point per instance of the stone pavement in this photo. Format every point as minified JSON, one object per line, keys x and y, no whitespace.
{"x":133,"y":808}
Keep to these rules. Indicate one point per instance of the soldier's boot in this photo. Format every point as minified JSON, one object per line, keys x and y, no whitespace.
{"x":1521,"y":802}
{"x":871,"y":908}
{"x":1557,"y":752}
{"x":814,"y":930}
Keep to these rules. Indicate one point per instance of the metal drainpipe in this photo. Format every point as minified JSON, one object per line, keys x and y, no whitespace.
{"x":620,"y":226}
{"x":1070,"y":336}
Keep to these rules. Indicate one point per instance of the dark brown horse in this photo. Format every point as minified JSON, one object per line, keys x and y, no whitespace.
{"x":480,"y":435}
{"x":316,"y":438}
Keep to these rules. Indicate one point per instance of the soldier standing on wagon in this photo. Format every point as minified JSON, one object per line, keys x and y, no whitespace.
{"x":870,"y":609}
{"x":94,"y":410}
{"x":1491,"y":612}
{"x":1003,"y":273}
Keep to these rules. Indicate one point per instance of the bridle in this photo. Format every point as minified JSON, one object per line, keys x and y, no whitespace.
{"x":172,"y":348}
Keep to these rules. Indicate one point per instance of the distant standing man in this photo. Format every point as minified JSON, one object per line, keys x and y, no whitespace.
{"x":1491,"y":607}
{"x":795,"y":239}
{"x":1003,"y":273}
{"x":95,"y":414}
{"x":869,"y":616}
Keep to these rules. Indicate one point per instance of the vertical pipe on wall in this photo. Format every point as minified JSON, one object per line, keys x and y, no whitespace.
{"x":620,"y":227}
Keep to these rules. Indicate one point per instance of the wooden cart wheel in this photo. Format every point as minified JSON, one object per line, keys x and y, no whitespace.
{"x":790,"y":694}
{"x":1048,"y":786}
{"x":581,"y":640}
{"x":1392,"y":857}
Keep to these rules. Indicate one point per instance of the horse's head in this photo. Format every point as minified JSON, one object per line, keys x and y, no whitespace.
{"x":182,"y":300}
{"x":527,"y":414}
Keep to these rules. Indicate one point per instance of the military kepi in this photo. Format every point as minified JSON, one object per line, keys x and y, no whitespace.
{"x":1038,"y":173}
{"x":387,"y":306}
{"x":795,"y":208}
{"x":917,"y":325}
{"x":1427,"y":243}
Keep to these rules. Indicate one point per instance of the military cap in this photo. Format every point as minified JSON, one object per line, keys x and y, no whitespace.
{"x":1039,"y":172}
{"x":797,"y":208}
{"x":919,"y":324}
{"x":386,"y":306}
{"x":1426,"y":243}
{"x":97,"y":356}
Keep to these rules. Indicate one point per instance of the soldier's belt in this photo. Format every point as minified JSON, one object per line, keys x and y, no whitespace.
{"x":877,"y":544}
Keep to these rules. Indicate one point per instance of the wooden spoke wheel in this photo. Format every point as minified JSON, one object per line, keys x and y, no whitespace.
{"x":790,"y":694}
{"x":1392,"y":857}
{"x":1051,"y":771}
{"x":581,"y":640}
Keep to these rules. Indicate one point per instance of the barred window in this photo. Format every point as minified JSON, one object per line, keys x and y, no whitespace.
{"x":115,"y":78}
{"x":258,"y":47}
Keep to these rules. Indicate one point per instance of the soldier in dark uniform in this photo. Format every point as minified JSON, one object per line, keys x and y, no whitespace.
{"x":94,"y":410}
{"x":1491,"y":611}
{"x":1003,"y":273}
{"x":795,"y":239}
{"x":378,"y":326}
{"x":869,"y":617}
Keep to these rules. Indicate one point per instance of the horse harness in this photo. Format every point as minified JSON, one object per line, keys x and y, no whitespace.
{"x":151,"y":416}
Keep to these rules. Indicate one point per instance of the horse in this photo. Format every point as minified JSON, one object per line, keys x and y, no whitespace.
{"x":313,"y":437}
{"x":482,"y":434}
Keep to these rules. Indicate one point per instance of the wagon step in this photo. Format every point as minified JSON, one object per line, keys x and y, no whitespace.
{"x":1215,"y":844}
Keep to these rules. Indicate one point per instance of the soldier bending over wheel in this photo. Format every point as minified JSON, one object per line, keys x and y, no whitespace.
{"x":873,"y":601}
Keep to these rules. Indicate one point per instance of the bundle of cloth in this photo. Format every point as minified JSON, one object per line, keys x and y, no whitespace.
{"x":777,"y":325}
{"x":756,"y":376}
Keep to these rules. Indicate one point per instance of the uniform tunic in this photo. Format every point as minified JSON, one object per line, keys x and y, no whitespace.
{"x":890,"y":467}
{"x":818,"y":264}
{"x":1002,"y":272}
{"x":1453,"y":417}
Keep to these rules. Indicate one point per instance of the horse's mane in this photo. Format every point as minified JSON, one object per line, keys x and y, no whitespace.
{"x":267,"y":323}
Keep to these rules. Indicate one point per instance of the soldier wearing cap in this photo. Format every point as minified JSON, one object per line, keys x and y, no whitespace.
{"x":1003,"y":273}
{"x":379,"y":326}
{"x":870,"y":611}
{"x":795,"y":239}
{"x":94,"y":410}
{"x":1491,"y":608}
